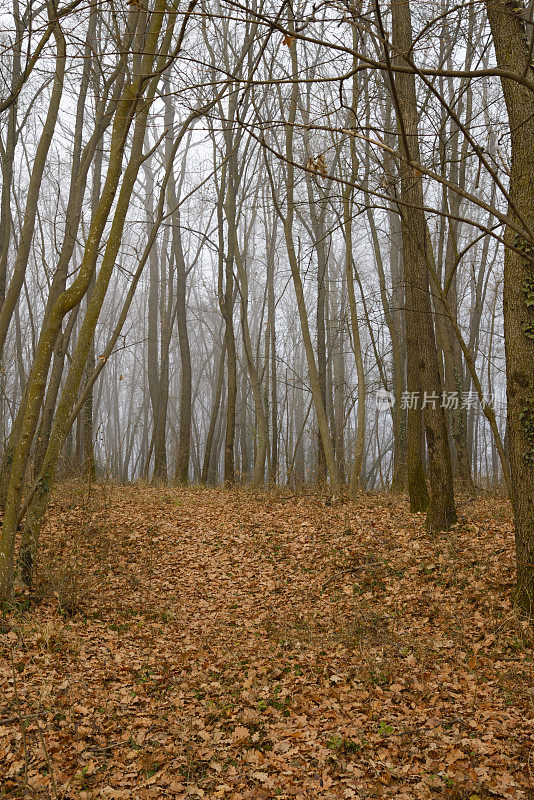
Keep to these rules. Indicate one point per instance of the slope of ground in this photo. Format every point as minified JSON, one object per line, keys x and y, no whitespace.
{"x":201,"y":643}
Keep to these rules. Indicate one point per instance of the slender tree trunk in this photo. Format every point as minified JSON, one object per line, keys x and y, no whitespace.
{"x":271,"y":334}
{"x":155,"y":356}
{"x":355,"y":479}
{"x":226,"y":299}
{"x":322,"y":419}
{"x":8,"y":157}
{"x":261,"y":427}
{"x":181,"y":474}
{"x":81,"y":161}
{"x":89,"y":465}
{"x":338,"y":358}
{"x":215,"y":406}
{"x":186,"y":406}
{"x":34,"y":188}
{"x":68,"y":300}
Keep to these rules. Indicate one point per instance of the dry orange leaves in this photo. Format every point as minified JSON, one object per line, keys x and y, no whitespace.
{"x":202,"y":643}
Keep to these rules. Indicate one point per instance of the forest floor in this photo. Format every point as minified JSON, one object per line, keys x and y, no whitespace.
{"x":203,"y":643}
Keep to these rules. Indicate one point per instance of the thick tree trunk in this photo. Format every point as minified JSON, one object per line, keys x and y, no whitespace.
{"x":512,"y":52}
{"x":423,"y":363}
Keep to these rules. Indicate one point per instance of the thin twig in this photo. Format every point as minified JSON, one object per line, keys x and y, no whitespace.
{"x":20,"y":717}
{"x":351,"y":569}
{"x":50,"y":770}
{"x":22,"y":720}
{"x":15,"y":718}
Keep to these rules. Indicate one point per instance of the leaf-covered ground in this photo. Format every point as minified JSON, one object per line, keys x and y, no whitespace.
{"x":217,"y":644}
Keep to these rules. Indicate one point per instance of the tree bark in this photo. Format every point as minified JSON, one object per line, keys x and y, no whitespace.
{"x":512,"y":53}
{"x":423,"y":365}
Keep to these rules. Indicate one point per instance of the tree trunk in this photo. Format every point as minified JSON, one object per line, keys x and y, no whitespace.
{"x":423,"y":365}
{"x":317,"y":394}
{"x":71,"y":297}
{"x":512,"y":53}
{"x":34,"y":189}
{"x":217,"y":394}
{"x":181,"y":474}
{"x":155,"y":356}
